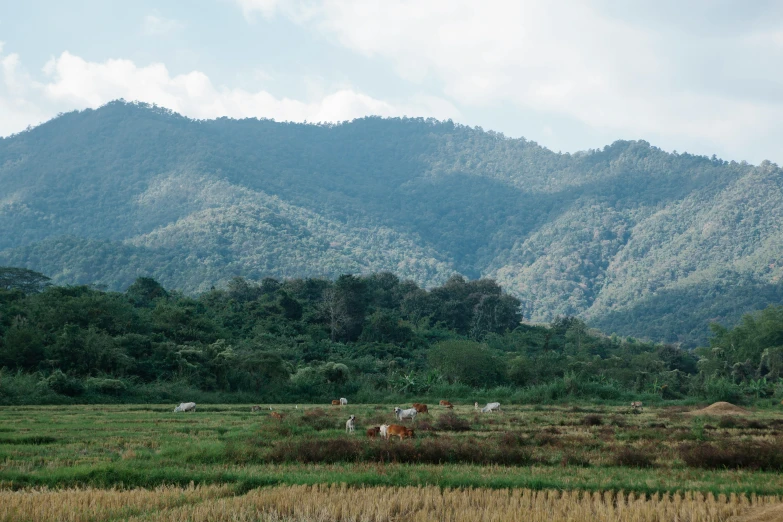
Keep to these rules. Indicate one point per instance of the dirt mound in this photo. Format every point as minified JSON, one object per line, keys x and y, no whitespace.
{"x":720,"y":408}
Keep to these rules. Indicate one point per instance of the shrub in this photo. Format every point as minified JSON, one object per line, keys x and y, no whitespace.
{"x":450,"y":422}
{"x":631,"y":457}
{"x":569,"y":459}
{"x":728,"y":422}
{"x":60,"y":383}
{"x":512,"y":438}
{"x":592,"y":420}
{"x":429,"y":451}
{"x":755,"y":455}
{"x":106,"y":386}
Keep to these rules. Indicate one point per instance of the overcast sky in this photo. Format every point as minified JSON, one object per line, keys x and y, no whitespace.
{"x":704,"y":77}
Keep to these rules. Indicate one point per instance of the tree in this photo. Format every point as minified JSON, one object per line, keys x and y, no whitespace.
{"x":145,"y":290}
{"x":28,"y":281}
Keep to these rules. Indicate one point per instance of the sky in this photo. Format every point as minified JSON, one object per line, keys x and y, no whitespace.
{"x":704,"y":77}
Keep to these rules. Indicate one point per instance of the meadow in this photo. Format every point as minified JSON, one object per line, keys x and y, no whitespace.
{"x":119,"y":461}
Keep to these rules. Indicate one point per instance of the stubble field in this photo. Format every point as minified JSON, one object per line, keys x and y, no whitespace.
{"x":537,"y":463}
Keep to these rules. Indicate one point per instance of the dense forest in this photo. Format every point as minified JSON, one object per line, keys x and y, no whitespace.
{"x":629,"y":238}
{"x":371,"y":338}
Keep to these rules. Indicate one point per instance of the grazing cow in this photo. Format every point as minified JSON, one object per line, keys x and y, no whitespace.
{"x":255,"y":408}
{"x":400,"y":431}
{"x":343,"y":401}
{"x":185,"y":406}
{"x":447,"y":404}
{"x":490,"y":407}
{"x":636,"y":405}
{"x":350,"y":424}
{"x":420,"y":408}
{"x":382,"y":431}
{"x":373,"y":432}
{"x":401,"y":414}
{"x":335,"y":402}
{"x":275,"y":415}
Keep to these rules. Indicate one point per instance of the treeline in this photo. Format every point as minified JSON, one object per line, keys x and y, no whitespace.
{"x":371,"y":338}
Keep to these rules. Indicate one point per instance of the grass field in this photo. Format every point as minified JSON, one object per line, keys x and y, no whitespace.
{"x":230,"y":451}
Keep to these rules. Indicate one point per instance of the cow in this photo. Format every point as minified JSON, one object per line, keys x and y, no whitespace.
{"x":373,"y":432}
{"x":401,"y":414}
{"x":382,"y":430}
{"x":420,"y":408}
{"x":336,"y":402}
{"x":636,"y":405}
{"x":490,"y":407}
{"x":350,"y":424}
{"x":255,"y":408}
{"x":447,"y":404}
{"x":343,"y":401}
{"x":400,"y":431}
{"x":275,"y":415}
{"x":185,"y":406}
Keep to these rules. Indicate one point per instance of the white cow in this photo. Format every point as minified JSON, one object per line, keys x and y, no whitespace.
{"x":343,"y":401}
{"x":349,"y":426}
{"x":492,"y":406}
{"x":382,"y":433}
{"x":185,"y":406}
{"x":401,"y":414}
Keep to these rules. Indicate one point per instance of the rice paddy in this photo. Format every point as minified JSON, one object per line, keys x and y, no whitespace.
{"x":145,"y":462}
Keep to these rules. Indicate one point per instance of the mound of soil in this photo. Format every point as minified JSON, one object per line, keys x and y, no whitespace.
{"x":719,"y":409}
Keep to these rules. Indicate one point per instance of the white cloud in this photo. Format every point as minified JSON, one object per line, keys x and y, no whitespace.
{"x":569,"y":59}
{"x":71,"y":82}
{"x":156,"y":25}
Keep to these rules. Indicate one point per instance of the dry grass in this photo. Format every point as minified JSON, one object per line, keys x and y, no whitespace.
{"x":341,"y":503}
{"x":89,"y":504}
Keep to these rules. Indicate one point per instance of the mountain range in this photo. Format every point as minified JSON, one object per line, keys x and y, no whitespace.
{"x":635,"y":240}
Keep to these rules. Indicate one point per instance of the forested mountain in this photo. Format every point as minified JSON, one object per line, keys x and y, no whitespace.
{"x":633,"y":239}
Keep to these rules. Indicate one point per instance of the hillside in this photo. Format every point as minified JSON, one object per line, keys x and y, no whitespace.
{"x":633,"y":239}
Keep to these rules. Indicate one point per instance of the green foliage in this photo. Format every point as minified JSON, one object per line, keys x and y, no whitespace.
{"x":388,"y":339}
{"x":467,"y":362}
{"x":635,"y":240}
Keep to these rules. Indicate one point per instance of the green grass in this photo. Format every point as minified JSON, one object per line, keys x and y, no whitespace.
{"x":149,"y":445}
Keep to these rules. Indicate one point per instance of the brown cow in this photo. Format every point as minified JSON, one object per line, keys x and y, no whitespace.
{"x":336,"y":402}
{"x":447,"y":404}
{"x":420,"y":408}
{"x":255,"y":408}
{"x":400,"y":431}
{"x":275,"y":415}
{"x":373,"y":432}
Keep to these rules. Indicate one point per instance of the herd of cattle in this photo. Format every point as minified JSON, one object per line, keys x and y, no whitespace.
{"x":385,"y":430}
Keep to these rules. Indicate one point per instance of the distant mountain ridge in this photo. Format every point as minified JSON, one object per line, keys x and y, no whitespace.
{"x":635,"y":240}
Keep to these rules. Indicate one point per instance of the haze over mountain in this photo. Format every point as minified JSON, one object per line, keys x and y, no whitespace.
{"x":635,"y":240}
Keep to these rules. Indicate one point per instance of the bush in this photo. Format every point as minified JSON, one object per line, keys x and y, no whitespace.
{"x":633,"y":458}
{"x":429,"y":451}
{"x":450,"y":422}
{"x":755,"y":455}
{"x":106,"y":386}
{"x":728,"y":422}
{"x":569,"y":459}
{"x":592,"y":420}
{"x":60,"y":383}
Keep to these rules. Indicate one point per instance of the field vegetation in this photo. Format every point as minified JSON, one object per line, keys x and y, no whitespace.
{"x":381,"y":504}
{"x":657,"y":451}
